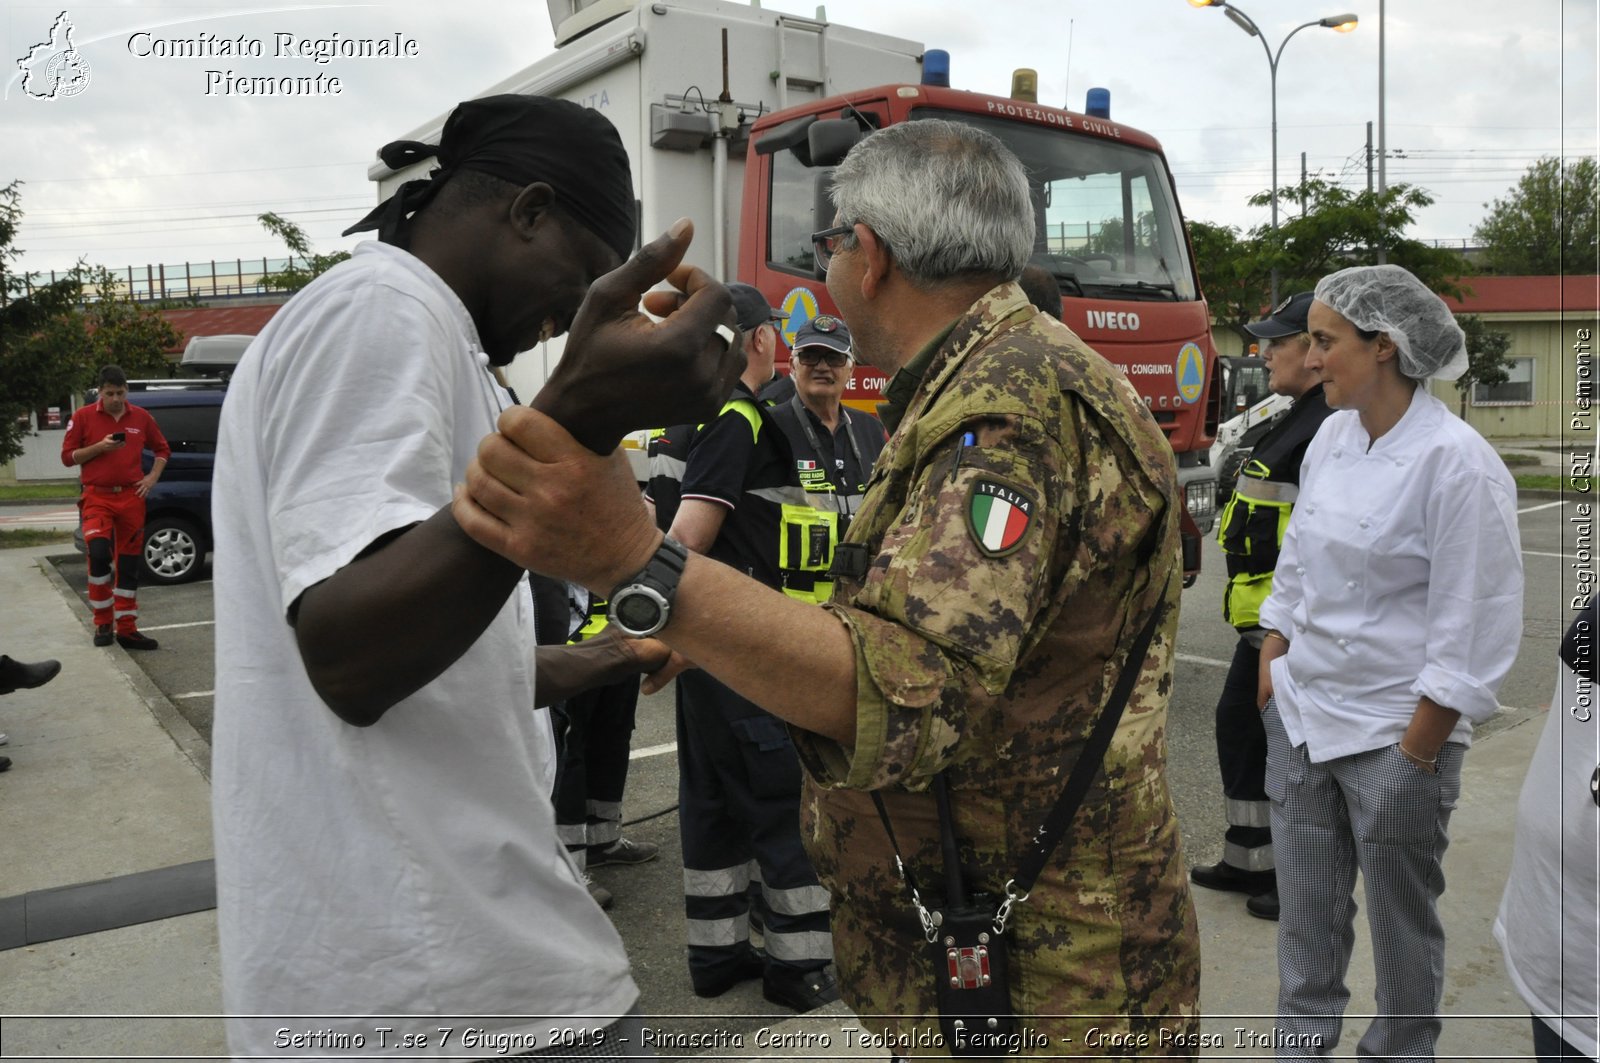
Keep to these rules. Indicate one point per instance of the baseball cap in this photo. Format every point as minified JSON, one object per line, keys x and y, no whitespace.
{"x":824,"y":330}
{"x":751,"y":306}
{"x":1288,"y":318}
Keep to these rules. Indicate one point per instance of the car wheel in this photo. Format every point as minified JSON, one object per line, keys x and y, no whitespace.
{"x":172,"y":550}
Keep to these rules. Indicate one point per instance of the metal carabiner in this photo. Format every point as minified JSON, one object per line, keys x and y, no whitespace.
{"x":1003,"y":913}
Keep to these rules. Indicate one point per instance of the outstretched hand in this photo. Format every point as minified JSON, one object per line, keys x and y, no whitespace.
{"x":622,"y":372}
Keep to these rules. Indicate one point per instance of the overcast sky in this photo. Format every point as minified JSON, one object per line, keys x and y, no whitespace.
{"x":143,"y":166}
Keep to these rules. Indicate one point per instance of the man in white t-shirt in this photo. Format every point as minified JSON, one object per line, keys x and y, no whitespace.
{"x":387,"y":860}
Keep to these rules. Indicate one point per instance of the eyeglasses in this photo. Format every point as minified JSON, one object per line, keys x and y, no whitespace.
{"x":813,"y":355}
{"x":828,"y":241}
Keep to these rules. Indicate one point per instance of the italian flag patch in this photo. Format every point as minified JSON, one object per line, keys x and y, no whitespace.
{"x":998,"y":516}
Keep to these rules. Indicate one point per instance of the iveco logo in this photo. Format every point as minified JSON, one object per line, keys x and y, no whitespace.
{"x":1106,"y":319}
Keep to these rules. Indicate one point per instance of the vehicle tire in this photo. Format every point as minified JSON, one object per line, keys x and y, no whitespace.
{"x":173,"y":550}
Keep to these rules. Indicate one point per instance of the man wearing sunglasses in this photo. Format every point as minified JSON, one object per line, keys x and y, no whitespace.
{"x":833,"y":448}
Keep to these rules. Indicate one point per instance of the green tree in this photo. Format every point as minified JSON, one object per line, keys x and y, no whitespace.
{"x":1336,"y":228}
{"x":294,"y":277}
{"x":1487,"y":363}
{"x":1546,"y":224}
{"x":29,"y":376}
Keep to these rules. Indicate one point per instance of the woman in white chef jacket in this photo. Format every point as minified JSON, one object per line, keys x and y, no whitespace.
{"x":1395,"y":614}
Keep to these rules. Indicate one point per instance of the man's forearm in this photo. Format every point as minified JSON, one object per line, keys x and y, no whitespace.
{"x":793,"y":659}
{"x":393,"y":620}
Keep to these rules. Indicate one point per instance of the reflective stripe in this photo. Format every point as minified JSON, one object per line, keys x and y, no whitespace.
{"x":1257,"y":859}
{"x":725,"y":883}
{"x":97,"y":580}
{"x":607,"y":810}
{"x":607,"y":832}
{"x":1248,"y":813}
{"x":572,"y":835}
{"x":1266,"y":490}
{"x":721,"y":933}
{"x":124,"y":592}
{"x":789,"y":495}
{"x":667,"y":467}
{"x":792,"y":948}
{"x":100,"y":603}
{"x":798,"y":900}
{"x":120,"y":613}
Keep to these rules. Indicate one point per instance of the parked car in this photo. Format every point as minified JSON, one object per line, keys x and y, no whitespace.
{"x":177,"y":523}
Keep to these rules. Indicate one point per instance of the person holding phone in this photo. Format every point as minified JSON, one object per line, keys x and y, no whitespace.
{"x":112,"y":503}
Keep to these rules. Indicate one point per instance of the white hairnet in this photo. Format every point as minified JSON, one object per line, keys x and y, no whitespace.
{"x":1391,"y":299}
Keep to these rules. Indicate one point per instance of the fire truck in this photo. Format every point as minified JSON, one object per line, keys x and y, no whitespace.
{"x":733,"y":114}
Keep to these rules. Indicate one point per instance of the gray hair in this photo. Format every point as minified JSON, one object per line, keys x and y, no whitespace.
{"x":948,"y":199}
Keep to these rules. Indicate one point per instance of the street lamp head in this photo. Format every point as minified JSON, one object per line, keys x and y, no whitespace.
{"x":1340,"y":23}
{"x":1240,"y":19}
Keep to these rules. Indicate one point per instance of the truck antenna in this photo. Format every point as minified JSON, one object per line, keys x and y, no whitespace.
{"x":1066,"y":88}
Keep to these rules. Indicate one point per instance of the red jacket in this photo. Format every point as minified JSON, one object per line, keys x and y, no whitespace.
{"x":115,"y":468}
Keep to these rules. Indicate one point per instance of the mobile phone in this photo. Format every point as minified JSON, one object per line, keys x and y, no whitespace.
{"x":120,"y":437}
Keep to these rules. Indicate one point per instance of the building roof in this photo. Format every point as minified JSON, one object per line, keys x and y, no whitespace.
{"x":218,"y":321}
{"x":1528,"y":295}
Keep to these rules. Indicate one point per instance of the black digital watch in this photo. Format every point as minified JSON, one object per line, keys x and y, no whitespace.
{"x":642,"y":605}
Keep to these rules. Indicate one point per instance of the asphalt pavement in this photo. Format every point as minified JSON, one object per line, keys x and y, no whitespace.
{"x":110,"y":780}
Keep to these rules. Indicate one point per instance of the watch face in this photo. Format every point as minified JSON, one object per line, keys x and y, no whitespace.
{"x":637,"y":612}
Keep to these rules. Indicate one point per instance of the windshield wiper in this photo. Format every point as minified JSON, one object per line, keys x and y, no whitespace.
{"x":1162,"y":291}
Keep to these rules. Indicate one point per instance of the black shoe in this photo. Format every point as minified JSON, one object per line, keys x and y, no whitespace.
{"x":746,"y":968}
{"x":5,"y":763}
{"x":14,"y":675}
{"x":1264,"y":905}
{"x":800,"y":990}
{"x":623,"y":851}
{"x":102,"y":635}
{"x":1224,"y":876}
{"x":136,"y":641}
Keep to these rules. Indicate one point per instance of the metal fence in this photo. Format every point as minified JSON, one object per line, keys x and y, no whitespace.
{"x":184,"y":280}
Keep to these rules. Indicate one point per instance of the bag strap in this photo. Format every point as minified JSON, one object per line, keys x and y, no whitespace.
{"x":1088,"y":764}
{"x":1045,"y":840}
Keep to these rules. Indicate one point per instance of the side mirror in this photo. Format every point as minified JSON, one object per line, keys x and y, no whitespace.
{"x":831,"y":139}
{"x":821,"y":217}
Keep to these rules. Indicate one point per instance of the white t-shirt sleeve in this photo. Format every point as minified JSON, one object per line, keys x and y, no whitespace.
{"x":356,"y":435}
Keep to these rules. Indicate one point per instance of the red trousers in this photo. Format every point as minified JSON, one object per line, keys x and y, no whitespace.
{"x":113,"y":533}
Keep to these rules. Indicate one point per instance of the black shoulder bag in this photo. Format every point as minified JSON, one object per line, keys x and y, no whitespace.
{"x":968,"y":932}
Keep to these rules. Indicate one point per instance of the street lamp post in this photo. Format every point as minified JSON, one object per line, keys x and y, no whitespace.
{"x":1339,"y":23}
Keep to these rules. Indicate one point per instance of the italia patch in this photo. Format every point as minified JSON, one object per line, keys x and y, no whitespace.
{"x":998,"y":516}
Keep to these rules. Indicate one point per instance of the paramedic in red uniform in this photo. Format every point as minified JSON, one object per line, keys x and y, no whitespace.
{"x":107,"y":438}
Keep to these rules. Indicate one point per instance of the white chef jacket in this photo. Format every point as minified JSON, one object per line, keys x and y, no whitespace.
{"x":1400,"y":577}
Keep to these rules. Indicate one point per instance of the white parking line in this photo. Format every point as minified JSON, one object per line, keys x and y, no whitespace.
{"x":174,"y":627}
{"x":1542,"y":553}
{"x":192,"y":693}
{"x":1535,"y":509}
{"x":653,"y":751}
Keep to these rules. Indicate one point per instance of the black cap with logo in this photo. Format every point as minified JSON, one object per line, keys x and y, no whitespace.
{"x":1288,"y":318}
{"x":824,"y":330}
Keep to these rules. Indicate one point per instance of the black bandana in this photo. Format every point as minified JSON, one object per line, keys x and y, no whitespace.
{"x":521,"y":139}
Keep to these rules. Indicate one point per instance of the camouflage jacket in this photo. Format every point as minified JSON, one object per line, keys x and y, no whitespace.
{"x":1022,"y":527}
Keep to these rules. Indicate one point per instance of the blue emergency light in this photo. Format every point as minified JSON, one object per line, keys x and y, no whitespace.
{"x":1097,"y":104}
{"x":936,"y":68}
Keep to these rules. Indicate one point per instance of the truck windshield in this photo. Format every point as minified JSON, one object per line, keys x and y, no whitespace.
{"x":1105,"y":220}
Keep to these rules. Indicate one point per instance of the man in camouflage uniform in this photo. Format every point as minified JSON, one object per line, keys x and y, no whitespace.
{"x":1019,"y":531}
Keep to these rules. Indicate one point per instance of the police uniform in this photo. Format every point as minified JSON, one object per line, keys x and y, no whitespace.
{"x":1251,"y":532}
{"x":739,"y":780}
{"x":1019,"y":530}
{"x":831,"y":468}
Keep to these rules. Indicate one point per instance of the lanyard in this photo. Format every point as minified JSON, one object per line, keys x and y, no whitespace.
{"x":804,"y":416}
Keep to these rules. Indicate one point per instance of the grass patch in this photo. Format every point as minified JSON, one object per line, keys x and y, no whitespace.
{"x":1534,"y":482}
{"x":17,"y":538}
{"x":1514,"y":460}
{"x":65,"y":490}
